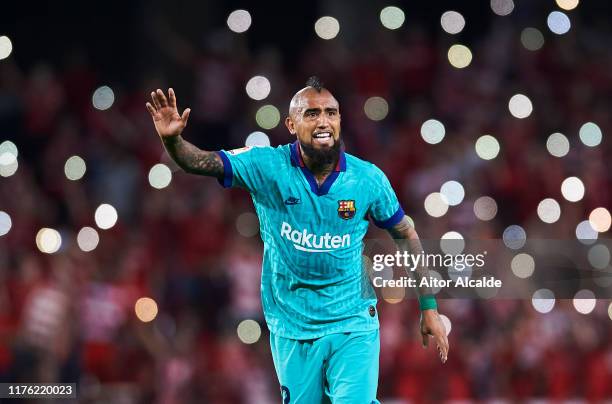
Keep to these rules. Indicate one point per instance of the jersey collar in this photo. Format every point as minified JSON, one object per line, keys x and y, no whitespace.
{"x":296,"y":161}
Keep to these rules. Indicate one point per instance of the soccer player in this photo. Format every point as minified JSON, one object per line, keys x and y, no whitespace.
{"x":313,"y":201}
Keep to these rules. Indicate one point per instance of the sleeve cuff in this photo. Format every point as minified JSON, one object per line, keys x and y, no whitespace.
{"x":228,"y":174}
{"x":392,"y":221}
{"x":427,"y":302}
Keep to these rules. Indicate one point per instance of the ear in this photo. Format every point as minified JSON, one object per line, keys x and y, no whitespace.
{"x":290,"y":125}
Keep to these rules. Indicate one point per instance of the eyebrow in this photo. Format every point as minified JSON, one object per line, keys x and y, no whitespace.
{"x":329,"y":109}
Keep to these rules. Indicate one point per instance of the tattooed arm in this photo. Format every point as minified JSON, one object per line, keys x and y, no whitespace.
{"x":191,"y":159}
{"x":169,"y":125}
{"x":407,"y":239}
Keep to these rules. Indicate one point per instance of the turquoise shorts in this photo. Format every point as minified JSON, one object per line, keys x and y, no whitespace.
{"x":337,"y":368}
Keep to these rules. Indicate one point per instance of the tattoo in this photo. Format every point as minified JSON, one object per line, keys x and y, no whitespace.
{"x":192,"y":159}
{"x":407,"y":239}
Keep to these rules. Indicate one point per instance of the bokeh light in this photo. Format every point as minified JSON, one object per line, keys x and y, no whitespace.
{"x":434,"y":274}
{"x":603,"y":278}
{"x":520,"y":106}
{"x":572,"y":189}
{"x":146,"y":309}
{"x":5,"y":223}
{"x":557,"y":145}
{"x":584,"y":301}
{"x":257,"y":139}
{"x":247,"y":224}
{"x":75,"y":168}
{"x":452,"y":243}
{"x":549,"y":210}
{"x":448,"y":326}
{"x":432,"y":131}
{"x":567,"y":4}
{"x":600,"y":219}
{"x":6,"y":47}
{"x":88,"y":239}
{"x":410,"y":221}
{"x":327,"y":27}
{"x":267,"y":117}
{"x":487,"y":292}
{"x":585,"y":233}
{"x":457,"y":271}
{"x":522,"y":265}
{"x":452,"y":22}
{"x":105,"y":216}
{"x":532,"y":39}
{"x":514,"y":237}
{"x":590,"y":134}
{"x":8,"y":147}
{"x":239,"y":21}
{"x":485,"y":208}
{"x":393,"y":295}
{"x":436,"y":204}
{"x":48,"y":240}
{"x":610,"y":310}
{"x":258,"y":88}
{"x":543,"y":300}
{"x":558,"y":22}
{"x":487,"y":147}
{"x":459,"y":56}
{"x":376,"y":108}
{"x":103,"y":98}
{"x":160,"y":176}
{"x":8,"y":159}
{"x":249,"y":331}
{"x":599,"y":256}
{"x":453,"y":191}
{"x":502,"y":7}
{"x":392,"y":17}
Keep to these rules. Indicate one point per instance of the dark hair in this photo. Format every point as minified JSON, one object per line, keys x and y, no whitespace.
{"x":314,"y":82}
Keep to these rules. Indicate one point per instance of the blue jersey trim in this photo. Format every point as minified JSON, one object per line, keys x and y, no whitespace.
{"x":228,"y":172}
{"x":392,"y":221}
{"x":296,"y":160}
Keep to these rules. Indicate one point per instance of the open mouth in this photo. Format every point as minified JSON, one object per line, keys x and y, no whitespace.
{"x":322,"y":138}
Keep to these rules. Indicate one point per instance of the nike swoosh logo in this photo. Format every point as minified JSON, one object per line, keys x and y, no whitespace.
{"x":292,"y":201}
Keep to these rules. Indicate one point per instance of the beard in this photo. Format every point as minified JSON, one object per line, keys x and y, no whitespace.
{"x":319,"y":158}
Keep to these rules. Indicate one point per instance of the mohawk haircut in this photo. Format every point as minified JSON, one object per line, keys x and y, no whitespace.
{"x":314,"y":82}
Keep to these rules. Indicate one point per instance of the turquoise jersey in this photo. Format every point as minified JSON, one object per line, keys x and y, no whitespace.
{"x":312,"y":281}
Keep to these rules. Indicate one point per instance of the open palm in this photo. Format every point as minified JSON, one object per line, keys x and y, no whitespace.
{"x":166,"y":118}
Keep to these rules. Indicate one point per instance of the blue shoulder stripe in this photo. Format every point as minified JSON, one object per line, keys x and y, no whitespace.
{"x":228,"y":173}
{"x":392,"y":221}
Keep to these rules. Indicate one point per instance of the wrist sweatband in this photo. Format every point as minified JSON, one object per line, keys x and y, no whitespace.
{"x":427,"y":302}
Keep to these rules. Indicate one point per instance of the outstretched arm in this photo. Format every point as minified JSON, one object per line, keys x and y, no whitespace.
{"x":407,"y":239}
{"x":169,"y":125}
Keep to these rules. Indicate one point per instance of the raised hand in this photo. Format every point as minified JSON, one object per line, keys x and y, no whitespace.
{"x":166,"y":118}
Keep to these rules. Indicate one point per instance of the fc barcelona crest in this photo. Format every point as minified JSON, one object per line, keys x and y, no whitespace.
{"x":346,"y":209}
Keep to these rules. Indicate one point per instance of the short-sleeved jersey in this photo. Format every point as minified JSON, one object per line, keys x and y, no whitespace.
{"x":313,"y":281}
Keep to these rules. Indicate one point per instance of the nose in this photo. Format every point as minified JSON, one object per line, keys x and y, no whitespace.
{"x":323,"y":121}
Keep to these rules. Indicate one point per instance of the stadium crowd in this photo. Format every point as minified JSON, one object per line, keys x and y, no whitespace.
{"x":192,"y":247}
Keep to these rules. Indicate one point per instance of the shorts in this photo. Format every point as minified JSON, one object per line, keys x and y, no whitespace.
{"x":336,"y":368}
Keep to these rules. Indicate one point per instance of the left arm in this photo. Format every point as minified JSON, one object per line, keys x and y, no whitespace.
{"x":407,"y":239}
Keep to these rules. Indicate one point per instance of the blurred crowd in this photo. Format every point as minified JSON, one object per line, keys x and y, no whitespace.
{"x":69,"y":316}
